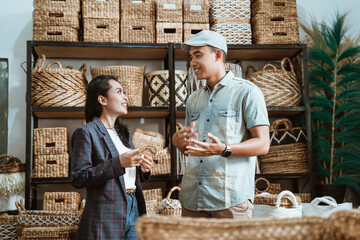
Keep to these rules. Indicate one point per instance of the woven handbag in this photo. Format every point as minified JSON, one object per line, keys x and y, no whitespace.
{"x":315,"y":209}
{"x":58,"y":87}
{"x":170,"y":207}
{"x":286,"y":135}
{"x":280,"y":87}
{"x":12,"y":182}
{"x":263,"y":185}
{"x":153,"y":198}
{"x":162,"y":162}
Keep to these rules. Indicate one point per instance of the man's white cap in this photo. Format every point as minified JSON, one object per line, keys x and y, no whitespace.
{"x":204,"y":38}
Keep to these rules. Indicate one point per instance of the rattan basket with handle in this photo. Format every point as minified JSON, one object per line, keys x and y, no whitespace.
{"x":145,"y":138}
{"x":280,"y":87}
{"x":170,"y":207}
{"x":263,"y":185}
{"x":130,"y":77}
{"x":58,"y":86}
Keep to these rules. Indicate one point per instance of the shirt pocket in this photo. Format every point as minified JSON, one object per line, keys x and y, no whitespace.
{"x":227,"y":123}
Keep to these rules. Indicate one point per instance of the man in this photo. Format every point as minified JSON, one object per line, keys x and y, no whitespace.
{"x":227,"y":126}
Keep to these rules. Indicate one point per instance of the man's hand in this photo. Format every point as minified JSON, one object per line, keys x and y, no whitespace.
{"x":215,"y":147}
{"x":181,"y":138}
{"x":132,"y":158}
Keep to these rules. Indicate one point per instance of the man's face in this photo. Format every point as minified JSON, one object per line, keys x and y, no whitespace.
{"x":203,"y":61}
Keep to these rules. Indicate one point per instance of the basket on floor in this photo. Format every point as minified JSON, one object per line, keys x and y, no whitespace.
{"x":153,"y":198}
{"x":131,"y":79}
{"x":170,"y":207}
{"x":8,"y":225}
{"x":58,"y":87}
{"x":280,"y":87}
{"x":263,"y":185}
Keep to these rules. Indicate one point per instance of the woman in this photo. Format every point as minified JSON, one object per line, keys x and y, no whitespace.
{"x":103,"y":161}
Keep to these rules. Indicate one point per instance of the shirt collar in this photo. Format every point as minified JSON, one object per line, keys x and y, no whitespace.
{"x":224,"y":81}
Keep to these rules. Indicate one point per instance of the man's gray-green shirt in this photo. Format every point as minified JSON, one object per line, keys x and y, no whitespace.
{"x":234,"y":106}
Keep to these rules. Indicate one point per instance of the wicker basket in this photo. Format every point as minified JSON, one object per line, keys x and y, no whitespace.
{"x":58,"y":87}
{"x":153,"y":198}
{"x":64,"y":5}
{"x":55,"y":33}
{"x":286,"y":135}
{"x":130,"y":77}
{"x":67,"y":232}
{"x":162,"y":228}
{"x":196,"y":11}
{"x":51,"y":166}
{"x":170,"y":207}
{"x":162,"y":162}
{"x":109,"y":9}
{"x":138,"y":10}
{"x":61,"y":201}
{"x":56,"y":18}
{"x":169,"y":32}
{"x":50,"y":140}
{"x":344,"y":225}
{"x":230,"y":11}
{"x":191,"y":29}
{"x":12,"y":165}
{"x":145,"y":138}
{"x":263,"y":185}
{"x":280,"y":87}
{"x":101,"y":30}
{"x":159,"y":87}
{"x":234,"y":33}
{"x":305,"y":197}
{"x":286,"y":7}
{"x":169,"y":11}
{"x":8,"y":226}
{"x":137,"y":31}
{"x":270,"y":200}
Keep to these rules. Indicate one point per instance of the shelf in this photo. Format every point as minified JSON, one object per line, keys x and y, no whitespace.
{"x":252,"y":51}
{"x":78,"y":112}
{"x":273,"y":176}
{"x":62,"y":180}
{"x":93,"y":50}
{"x":159,"y":178}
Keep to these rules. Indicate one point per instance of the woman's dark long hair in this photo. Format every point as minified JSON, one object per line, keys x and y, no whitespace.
{"x":99,"y":86}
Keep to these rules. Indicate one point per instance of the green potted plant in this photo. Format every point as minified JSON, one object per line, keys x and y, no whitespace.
{"x":334,"y":77}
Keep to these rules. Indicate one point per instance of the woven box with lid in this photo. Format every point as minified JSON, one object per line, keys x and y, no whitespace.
{"x":196,"y":11}
{"x":190,"y":29}
{"x":61,"y":201}
{"x":138,"y":10}
{"x":50,"y":166}
{"x":101,"y":9}
{"x":62,"y":5}
{"x":50,"y":140}
{"x":101,"y":30}
{"x":169,"y":11}
{"x":169,"y":32}
{"x":137,"y":31}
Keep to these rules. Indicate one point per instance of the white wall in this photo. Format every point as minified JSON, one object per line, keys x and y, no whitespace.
{"x":16,"y":29}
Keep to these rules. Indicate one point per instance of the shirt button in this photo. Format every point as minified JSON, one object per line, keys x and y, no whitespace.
{"x":210,"y":100}
{"x":199,"y":183}
{"x":207,"y":120}
{"x":200,"y":161}
{"x":204,"y":140}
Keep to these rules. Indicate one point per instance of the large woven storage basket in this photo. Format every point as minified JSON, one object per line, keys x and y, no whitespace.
{"x":233,"y":32}
{"x":170,"y":207}
{"x":153,"y":198}
{"x":50,"y":140}
{"x":169,"y":32}
{"x":51,"y":166}
{"x":109,"y":9}
{"x":61,"y":201}
{"x":271,"y":7}
{"x":137,"y":31}
{"x":101,"y":30}
{"x":159,"y":87}
{"x":191,"y":29}
{"x":138,"y":10}
{"x":169,"y":11}
{"x":8,"y":226}
{"x":56,"y":18}
{"x":58,"y":87}
{"x":55,"y":33}
{"x":196,"y":11}
{"x":162,"y":228}
{"x":39,"y":233}
{"x":280,"y":87}
{"x":130,"y":77}
{"x":230,"y":11}
{"x":63,"y":5}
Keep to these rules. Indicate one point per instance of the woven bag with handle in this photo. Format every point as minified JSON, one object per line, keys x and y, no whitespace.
{"x":170,"y":207}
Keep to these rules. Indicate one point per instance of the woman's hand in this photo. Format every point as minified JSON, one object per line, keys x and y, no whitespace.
{"x":146,"y":163}
{"x":132,"y":158}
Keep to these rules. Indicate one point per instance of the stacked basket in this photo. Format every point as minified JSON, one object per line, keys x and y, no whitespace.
{"x":51,"y":153}
{"x":196,"y":17}
{"x":137,"y":21}
{"x":275,"y":22}
{"x":101,"y":20}
{"x":169,"y":21}
{"x":231,"y":18}
{"x":56,"y":20}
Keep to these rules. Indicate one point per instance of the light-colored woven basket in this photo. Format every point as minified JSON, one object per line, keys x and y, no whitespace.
{"x":67,"y":232}
{"x":50,"y":140}
{"x":270,"y":199}
{"x":230,"y":11}
{"x":101,"y":30}
{"x":145,"y":138}
{"x":61,"y":201}
{"x":56,"y":18}
{"x":8,"y":225}
{"x":109,"y":9}
{"x":64,"y":5}
{"x":153,"y":198}
{"x":196,"y":11}
{"x":130,"y":77}
{"x":162,"y":228}
{"x":169,"y":32}
{"x":58,"y":86}
{"x":286,"y":7}
{"x":272,"y":188}
{"x":234,"y":33}
{"x":51,"y":166}
{"x":280,"y":87}
{"x":138,"y":10}
{"x":55,"y":33}
{"x":159,"y":87}
{"x":161,"y":162}
{"x":137,"y":31}
{"x":191,"y":29}
{"x":170,"y":207}
{"x":169,"y":11}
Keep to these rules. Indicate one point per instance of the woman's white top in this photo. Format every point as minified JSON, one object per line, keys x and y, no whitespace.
{"x":130,"y":173}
